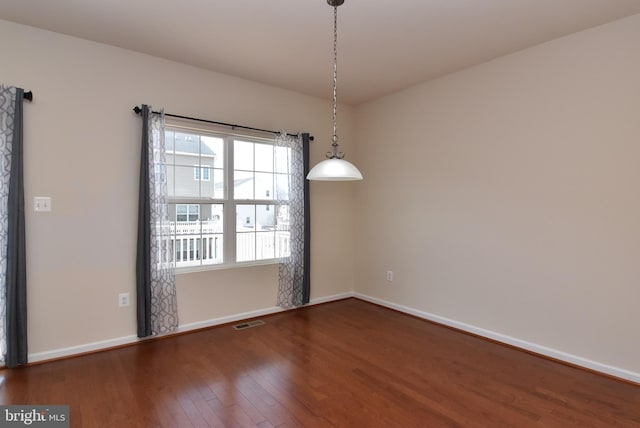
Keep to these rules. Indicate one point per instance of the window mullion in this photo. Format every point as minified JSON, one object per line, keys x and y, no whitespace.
{"x":230,"y":205}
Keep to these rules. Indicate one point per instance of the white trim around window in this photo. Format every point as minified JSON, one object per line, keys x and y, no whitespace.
{"x":210,"y":242}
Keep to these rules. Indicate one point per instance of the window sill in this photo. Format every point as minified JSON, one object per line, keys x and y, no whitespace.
{"x":192,"y":269}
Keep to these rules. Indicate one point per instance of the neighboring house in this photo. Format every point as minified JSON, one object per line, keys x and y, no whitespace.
{"x":194,"y":174}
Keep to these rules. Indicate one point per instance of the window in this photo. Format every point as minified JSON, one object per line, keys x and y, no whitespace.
{"x":201,"y":173}
{"x":187,"y":212}
{"x":227,"y":197}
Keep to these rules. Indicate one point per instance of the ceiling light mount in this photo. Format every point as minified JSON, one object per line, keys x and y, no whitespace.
{"x":335,"y":168}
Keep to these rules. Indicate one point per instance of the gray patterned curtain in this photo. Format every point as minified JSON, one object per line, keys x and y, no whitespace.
{"x":294,"y":287}
{"x":157,"y":304}
{"x":13,"y":270}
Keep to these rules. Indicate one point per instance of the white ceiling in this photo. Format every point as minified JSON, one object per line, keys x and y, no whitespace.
{"x":383,"y":46}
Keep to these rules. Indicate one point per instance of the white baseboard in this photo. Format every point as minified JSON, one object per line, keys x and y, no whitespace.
{"x":228,"y":319}
{"x":332,"y":298}
{"x":518,"y":343}
{"x":81,"y":349}
{"x":126,"y":340}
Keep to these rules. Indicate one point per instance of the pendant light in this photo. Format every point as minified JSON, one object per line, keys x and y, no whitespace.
{"x":335,"y":168}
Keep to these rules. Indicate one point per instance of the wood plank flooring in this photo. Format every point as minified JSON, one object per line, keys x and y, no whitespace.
{"x":342,"y":364}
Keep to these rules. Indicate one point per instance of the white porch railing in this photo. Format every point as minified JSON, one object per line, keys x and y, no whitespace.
{"x":195,"y":243}
{"x":195,"y":227}
{"x":193,"y":250}
{"x":262,"y":245}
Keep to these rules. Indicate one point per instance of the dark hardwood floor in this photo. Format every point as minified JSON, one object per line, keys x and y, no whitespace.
{"x":347,"y":363}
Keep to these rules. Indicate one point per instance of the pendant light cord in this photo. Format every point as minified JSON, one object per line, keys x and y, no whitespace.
{"x":334,"y":147}
{"x":335,"y":73}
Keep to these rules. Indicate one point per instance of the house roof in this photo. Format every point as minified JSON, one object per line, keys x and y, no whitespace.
{"x":190,"y":144}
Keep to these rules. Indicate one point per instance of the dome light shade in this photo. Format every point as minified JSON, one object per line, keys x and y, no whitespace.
{"x":334,"y":169}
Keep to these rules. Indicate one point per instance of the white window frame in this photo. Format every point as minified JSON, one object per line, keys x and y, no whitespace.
{"x":228,"y":202}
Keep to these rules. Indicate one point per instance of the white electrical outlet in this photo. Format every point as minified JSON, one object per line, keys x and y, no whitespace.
{"x":123,"y":300}
{"x":390,"y":275}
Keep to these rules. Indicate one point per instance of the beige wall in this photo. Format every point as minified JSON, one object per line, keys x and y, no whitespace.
{"x":507,"y":196}
{"x":82,"y":149}
{"x":504,"y":196}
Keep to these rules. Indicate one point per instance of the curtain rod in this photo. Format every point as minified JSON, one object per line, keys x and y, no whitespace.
{"x":138,"y":110}
{"x":28,"y":95}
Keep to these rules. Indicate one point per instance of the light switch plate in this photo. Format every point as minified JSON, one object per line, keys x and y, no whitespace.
{"x":42,"y":204}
